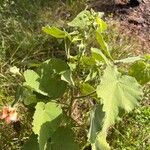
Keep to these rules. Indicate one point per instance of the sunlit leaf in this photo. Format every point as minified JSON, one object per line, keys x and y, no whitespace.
{"x":32,"y":78}
{"x":45,"y":121}
{"x":103,"y":44}
{"x":116,"y":91}
{"x":82,"y":20}
{"x":55,"y":32}
{"x":102,"y":24}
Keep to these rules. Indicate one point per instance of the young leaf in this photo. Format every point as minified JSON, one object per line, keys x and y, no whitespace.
{"x":102,"y":24}
{"x":82,"y":20}
{"x":63,"y":139}
{"x":96,"y":118}
{"x":116,"y":91}
{"x":103,"y":44}
{"x":141,"y":71}
{"x":45,"y":121}
{"x":67,"y":76}
{"x":54,"y":31}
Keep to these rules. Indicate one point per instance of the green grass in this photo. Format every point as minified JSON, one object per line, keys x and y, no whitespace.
{"x":133,"y":132}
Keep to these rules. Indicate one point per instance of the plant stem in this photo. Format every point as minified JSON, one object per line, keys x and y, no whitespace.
{"x":84,"y":96}
{"x":71,"y":101}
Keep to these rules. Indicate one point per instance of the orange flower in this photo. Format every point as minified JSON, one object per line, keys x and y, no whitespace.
{"x":9,"y":114}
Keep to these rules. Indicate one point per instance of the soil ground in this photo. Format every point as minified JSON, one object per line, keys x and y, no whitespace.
{"x":134,"y":20}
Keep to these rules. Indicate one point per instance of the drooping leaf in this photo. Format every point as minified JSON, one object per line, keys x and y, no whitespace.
{"x":116,"y":91}
{"x":96,"y":121}
{"x":103,"y":44}
{"x":55,"y":32}
{"x":141,"y":71}
{"x":45,"y":121}
{"x":63,"y":139}
{"x":82,"y":20}
{"x":47,"y":80}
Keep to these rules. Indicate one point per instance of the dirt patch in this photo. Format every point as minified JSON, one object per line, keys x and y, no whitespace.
{"x":134,"y":20}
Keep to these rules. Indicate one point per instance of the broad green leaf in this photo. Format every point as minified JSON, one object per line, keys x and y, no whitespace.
{"x":45,"y":121}
{"x":47,"y":130}
{"x":31,"y":144}
{"x":96,"y":121}
{"x":82,"y":20}
{"x":103,"y":44}
{"x":129,"y":59}
{"x":67,"y":76}
{"x":31,"y":78}
{"x":55,"y":32}
{"x":44,"y":113}
{"x":54,"y":65}
{"x":98,"y":55}
{"x":141,"y":71}
{"x":47,"y":80}
{"x":63,"y":139}
{"x":116,"y":91}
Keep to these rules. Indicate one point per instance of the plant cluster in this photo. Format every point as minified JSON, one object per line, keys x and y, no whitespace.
{"x":88,"y":72}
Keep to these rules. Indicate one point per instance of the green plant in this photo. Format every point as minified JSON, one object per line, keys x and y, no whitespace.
{"x":88,"y":73}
